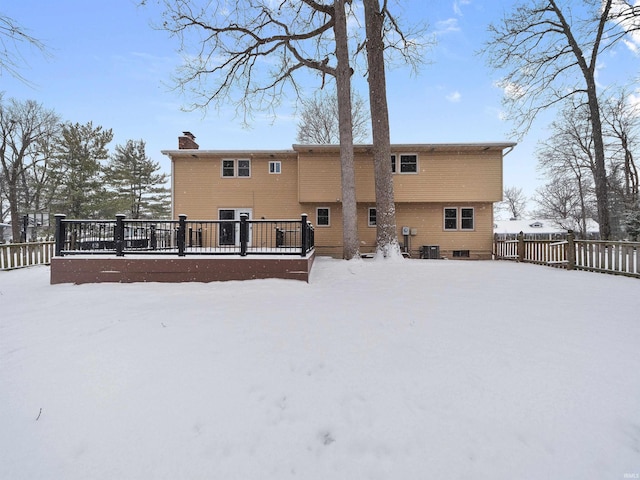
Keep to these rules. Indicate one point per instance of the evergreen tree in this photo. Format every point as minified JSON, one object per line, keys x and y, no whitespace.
{"x":137,"y":183}
{"x":77,"y":184}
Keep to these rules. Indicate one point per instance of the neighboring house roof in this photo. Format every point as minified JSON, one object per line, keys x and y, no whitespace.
{"x":537,"y":226}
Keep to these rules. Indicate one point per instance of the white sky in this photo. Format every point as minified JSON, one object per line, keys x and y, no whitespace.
{"x":110,"y":67}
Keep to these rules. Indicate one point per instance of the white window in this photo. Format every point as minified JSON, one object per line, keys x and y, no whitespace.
{"x":466,"y":219}
{"x":275,"y":167}
{"x":323,"y":217}
{"x":408,"y":164}
{"x":244,"y":168}
{"x":236,"y":168}
{"x":450,"y":218}
{"x":371,"y":219}
{"x":462,"y":218}
{"x":404,"y":163}
{"x":228,"y":168}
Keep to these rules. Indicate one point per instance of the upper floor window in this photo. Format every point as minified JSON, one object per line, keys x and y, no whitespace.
{"x":228,"y":168}
{"x":408,"y":164}
{"x":236,"y":168}
{"x":322,"y":216}
{"x":275,"y":167}
{"x":404,"y":163}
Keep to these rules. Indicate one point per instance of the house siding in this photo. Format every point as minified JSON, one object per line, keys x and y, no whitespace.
{"x":201,"y":190}
{"x":426,"y":220}
{"x":441,"y":177}
{"x":461,"y":176}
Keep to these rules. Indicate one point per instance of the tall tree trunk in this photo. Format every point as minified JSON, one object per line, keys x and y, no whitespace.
{"x":386,"y":234}
{"x":343,"y":84}
{"x":600,"y":173}
{"x":588,"y":71}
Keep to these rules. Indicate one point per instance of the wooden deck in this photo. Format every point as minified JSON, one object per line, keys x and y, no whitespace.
{"x":98,"y":269}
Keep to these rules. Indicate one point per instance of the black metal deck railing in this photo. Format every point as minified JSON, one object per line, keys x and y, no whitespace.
{"x":184,"y":237}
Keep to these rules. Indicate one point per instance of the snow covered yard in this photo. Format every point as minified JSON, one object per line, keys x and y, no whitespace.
{"x":374,"y":370}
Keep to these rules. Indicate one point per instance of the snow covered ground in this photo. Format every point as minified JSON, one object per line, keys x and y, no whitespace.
{"x":374,"y":370}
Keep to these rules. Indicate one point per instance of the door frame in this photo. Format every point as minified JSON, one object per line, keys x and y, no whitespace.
{"x":236,"y":222}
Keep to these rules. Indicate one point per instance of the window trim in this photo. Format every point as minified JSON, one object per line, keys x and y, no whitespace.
{"x":223,"y":168}
{"x":459,"y":220}
{"x":248,"y":167}
{"x":409,"y":155}
{"x":473,"y":219}
{"x":275,"y":167}
{"x":445,"y":218}
{"x":236,"y":167}
{"x":318,"y":224}
{"x":396,"y":163}
{"x":375,"y":217}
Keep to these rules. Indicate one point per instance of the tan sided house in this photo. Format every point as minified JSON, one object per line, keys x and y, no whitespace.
{"x":444,"y":193}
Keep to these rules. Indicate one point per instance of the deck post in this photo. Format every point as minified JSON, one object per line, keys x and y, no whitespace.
{"x":304,"y":229}
{"x":119,"y":235}
{"x":571,"y":250}
{"x":60,"y":234}
{"x":244,"y":234}
{"x":520,"y":246}
{"x":182,"y":233}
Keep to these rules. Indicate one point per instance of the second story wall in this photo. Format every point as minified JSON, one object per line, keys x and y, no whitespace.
{"x":205,"y":181}
{"x":456,"y":173}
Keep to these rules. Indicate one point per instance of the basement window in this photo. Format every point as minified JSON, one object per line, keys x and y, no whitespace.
{"x":461,"y":254}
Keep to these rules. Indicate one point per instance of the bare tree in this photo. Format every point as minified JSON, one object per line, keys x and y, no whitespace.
{"x":343,"y":72}
{"x":13,"y":38}
{"x":562,"y":200}
{"x":24,"y":129}
{"x":550,"y":50}
{"x":514,"y":202}
{"x":37,"y":176}
{"x":319,"y":119}
{"x":622,"y":126}
{"x":568,"y":156}
{"x":386,"y":232}
{"x":249,"y":53}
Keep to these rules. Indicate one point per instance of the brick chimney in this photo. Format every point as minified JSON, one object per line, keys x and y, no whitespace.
{"x":187,"y":141}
